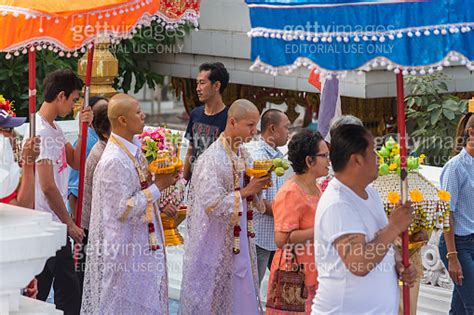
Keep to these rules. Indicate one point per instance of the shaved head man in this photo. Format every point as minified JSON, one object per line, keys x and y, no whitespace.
{"x":222,"y":206}
{"x":126,"y":215}
{"x":242,"y":121}
{"x":125,"y":115}
{"x":241,"y":108}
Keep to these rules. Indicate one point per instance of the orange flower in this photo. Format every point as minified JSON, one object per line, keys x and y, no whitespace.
{"x":416,"y":195}
{"x":421,"y":158}
{"x":444,"y":195}
{"x":7,"y":106}
{"x":393,"y":197}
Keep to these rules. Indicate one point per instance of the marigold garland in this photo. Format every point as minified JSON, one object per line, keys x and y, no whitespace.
{"x":416,"y":195}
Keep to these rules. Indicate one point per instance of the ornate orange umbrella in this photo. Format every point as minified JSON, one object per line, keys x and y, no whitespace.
{"x":69,"y":27}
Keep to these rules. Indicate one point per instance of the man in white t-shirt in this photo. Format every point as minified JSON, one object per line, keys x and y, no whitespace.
{"x":60,"y":91}
{"x":358,"y":267}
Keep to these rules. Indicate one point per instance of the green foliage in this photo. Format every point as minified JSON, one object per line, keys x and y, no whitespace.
{"x":435,"y":115}
{"x":151,"y":150}
{"x":131,"y":54}
{"x":14,"y":76}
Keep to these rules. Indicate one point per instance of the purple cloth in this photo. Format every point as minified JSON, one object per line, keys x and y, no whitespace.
{"x":245,"y":302}
{"x":327,"y":107}
{"x":210,"y":268}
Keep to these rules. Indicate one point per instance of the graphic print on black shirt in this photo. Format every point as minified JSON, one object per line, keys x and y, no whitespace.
{"x":203,"y":130}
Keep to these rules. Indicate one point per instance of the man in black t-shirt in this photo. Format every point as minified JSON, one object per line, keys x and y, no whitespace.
{"x":208,"y":121}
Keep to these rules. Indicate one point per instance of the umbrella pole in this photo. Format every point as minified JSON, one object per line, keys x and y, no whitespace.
{"x":32,"y":96}
{"x":84,"y":127}
{"x":32,"y":89}
{"x":404,"y":180}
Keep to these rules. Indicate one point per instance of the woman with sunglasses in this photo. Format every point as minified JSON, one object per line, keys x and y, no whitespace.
{"x":294,"y":209}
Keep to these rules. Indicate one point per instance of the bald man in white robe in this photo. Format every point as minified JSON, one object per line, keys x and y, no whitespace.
{"x":216,"y":278}
{"x":125,"y":272}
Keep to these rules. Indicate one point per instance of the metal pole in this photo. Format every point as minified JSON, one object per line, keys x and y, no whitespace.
{"x":404,"y":180}
{"x":84,"y":127}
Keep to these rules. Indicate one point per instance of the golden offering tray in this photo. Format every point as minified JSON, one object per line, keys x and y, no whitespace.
{"x":165,"y":164}
{"x":170,"y":227}
{"x":416,"y":245}
{"x":261,"y":168}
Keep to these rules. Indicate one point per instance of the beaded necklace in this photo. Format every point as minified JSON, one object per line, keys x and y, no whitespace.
{"x":239,"y":165}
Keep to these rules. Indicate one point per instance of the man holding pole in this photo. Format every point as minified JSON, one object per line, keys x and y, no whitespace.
{"x":354,"y":239}
{"x":60,"y":91}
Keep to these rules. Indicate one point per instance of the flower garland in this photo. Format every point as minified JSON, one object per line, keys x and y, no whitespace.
{"x":239,"y":165}
{"x":427,"y":214}
{"x":173,"y":195}
{"x":156,"y":142}
{"x":7,"y":106}
{"x":250,"y":228}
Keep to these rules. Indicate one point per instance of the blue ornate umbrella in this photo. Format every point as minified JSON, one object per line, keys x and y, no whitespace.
{"x":341,"y":35}
{"x":336,"y":36}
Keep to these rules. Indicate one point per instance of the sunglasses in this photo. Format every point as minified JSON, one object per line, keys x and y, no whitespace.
{"x":326,"y":155}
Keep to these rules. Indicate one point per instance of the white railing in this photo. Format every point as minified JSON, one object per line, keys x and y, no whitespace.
{"x":27,"y":239}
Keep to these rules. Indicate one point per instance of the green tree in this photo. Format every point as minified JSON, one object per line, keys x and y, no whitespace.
{"x":435,"y":115}
{"x":131,"y":54}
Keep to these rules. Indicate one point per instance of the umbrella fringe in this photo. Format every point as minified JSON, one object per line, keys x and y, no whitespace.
{"x":378,"y":63}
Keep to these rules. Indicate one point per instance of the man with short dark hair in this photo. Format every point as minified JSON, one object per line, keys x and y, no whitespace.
{"x":61,"y":92}
{"x":358,"y":267}
{"x":274,"y":127}
{"x":208,"y":121}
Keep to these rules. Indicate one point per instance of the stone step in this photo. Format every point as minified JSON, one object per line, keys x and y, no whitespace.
{"x":433,"y":300}
{"x":29,"y":306}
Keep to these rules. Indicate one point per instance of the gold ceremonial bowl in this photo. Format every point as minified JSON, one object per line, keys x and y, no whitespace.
{"x":261,"y":168}
{"x":176,"y":166}
{"x":170,"y":228}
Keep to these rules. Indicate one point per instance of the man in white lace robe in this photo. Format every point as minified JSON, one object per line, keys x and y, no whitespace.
{"x":219,"y":272}
{"x":125,"y":269}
